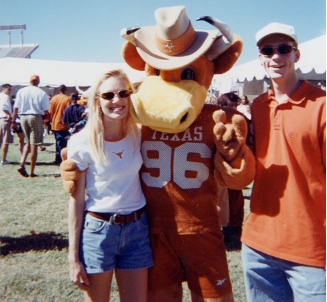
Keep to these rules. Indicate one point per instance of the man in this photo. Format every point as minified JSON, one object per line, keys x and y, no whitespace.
{"x":284,"y":237}
{"x":57,"y":106}
{"x":73,"y":114}
{"x":32,"y":102}
{"x":6,"y":137}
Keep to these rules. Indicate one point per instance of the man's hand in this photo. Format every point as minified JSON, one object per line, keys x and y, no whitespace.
{"x":69,"y":172}
{"x":14,"y":127}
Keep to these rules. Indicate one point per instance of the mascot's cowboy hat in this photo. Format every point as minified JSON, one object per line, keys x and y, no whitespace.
{"x":173,"y":42}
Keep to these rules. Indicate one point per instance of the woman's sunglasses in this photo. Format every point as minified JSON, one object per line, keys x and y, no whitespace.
{"x":282,"y":49}
{"x":110,"y":95}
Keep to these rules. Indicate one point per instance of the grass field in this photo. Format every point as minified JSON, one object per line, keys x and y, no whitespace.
{"x":34,"y":236}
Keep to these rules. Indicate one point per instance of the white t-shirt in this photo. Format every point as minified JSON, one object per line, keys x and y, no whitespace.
{"x":5,"y":104}
{"x":245,"y":109}
{"x":112,"y":187}
{"x":32,"y":100}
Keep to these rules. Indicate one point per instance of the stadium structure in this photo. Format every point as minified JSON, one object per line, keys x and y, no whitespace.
{"x":16,"y":50}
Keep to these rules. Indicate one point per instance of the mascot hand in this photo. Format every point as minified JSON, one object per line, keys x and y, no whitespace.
{"x":230,"y":132}
{"x":234,"y":161}
{"x":69,"y":172}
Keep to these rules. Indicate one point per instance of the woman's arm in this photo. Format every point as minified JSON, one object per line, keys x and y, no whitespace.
{"x":75,"y":220}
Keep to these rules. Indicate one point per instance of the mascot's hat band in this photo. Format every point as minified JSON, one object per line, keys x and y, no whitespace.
{"x":172,"y":43}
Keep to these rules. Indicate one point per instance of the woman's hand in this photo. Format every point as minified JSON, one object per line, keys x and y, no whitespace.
{"x":78,"y":275}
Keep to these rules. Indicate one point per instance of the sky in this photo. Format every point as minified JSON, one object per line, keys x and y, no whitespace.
{"x":89,"y":30}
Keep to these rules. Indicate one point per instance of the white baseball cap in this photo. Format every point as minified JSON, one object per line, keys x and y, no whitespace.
{"x":275,"y":28}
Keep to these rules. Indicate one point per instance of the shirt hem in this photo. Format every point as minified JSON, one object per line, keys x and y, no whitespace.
{"x":291,"y":258}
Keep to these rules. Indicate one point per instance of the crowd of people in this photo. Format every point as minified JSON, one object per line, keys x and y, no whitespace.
{"x":283,"y":239}
{"x":32,"y":114}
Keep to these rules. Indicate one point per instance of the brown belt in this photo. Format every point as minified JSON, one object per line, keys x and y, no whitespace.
{"x":118,"y":218}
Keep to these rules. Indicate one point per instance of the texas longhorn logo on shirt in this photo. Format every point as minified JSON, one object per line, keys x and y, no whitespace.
{"x":119,"y":154}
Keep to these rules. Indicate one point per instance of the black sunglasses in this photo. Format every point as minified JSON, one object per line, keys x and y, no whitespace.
{"x":282,"y":49}
{"x":110,"y":95}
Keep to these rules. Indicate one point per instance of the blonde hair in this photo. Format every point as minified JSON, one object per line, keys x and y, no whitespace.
{"x":94,"y":127}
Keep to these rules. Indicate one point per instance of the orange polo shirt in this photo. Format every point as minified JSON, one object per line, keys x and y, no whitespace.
{"x":288,"y":202}
{"x":57,"y":106}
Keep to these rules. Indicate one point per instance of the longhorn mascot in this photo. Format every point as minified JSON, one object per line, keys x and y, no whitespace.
{"x":187,"y":147}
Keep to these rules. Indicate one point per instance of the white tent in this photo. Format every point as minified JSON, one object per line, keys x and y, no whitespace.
{"x":17,"y":71}
{"x":311,"y":66}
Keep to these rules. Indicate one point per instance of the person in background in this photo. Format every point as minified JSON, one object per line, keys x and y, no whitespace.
{"x":284,"y":237}
{"x":229,"y":99}
{"x":109,"y":230}
{"x":31,"y":103}
{"x":233,"y":228}
{"x":244,"y":107}
{"x":47,"y":122}
{"x":60,"y":130}
{"x":20,"y":134}
{"x":73,"y":114}
{"x":6,"y":136}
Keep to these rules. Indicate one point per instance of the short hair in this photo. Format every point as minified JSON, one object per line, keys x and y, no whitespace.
{"x":74,"y":96}
{"x":229,"y":99}
{"x":4,"y":86}
{"x":62,"y":88}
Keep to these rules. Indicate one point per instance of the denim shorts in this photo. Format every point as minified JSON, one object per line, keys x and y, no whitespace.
{"x":268,"y":278}
{"x":106,"y":246}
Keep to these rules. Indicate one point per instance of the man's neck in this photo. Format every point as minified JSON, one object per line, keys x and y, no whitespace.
{"x":284,"y":89}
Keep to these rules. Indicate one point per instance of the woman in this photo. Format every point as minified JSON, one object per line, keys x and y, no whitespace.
{"x":109,"y":231}
{"x":244,"y":107}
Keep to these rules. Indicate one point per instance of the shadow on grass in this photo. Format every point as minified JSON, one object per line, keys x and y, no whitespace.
{"x":50,"y":175}
{"x":40,"y":163}
{"x":48,"y":241}
{"x":43,"y":163}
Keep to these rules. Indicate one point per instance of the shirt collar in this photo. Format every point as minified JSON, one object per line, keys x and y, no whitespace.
{"x":298,"y":95}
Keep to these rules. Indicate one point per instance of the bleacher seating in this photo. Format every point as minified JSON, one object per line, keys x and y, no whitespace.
{"x":17,"y":51}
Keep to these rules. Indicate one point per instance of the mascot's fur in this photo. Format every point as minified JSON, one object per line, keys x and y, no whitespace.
{"x":186,"y":146}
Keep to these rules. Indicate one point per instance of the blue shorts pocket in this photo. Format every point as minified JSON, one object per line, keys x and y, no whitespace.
{"x":93,"y":225}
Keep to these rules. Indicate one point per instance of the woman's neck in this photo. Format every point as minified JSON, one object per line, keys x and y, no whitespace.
{"x":114,"y":130}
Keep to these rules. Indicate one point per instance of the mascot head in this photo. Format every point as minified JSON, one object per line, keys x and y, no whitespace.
{"x":179,"y":62}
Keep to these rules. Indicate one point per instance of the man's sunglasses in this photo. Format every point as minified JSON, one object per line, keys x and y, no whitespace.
{"x":282,"y":49}
{"x":110,"y":95}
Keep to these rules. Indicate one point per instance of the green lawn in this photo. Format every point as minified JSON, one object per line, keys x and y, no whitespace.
{"x":34,"y":236}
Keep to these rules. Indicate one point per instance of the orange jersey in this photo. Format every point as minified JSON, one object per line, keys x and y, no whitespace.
{"x":288,"y":202}
{"x":177,"y":178}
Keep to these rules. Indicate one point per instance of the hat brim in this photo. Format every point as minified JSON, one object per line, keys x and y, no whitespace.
{"x":146,"y":47}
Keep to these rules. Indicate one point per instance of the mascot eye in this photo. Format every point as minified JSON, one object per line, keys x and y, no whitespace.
{"x":188,"y":74}
{"x":156,"y":72}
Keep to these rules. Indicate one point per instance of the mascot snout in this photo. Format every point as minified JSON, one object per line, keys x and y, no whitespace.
{"x":176,"y":106}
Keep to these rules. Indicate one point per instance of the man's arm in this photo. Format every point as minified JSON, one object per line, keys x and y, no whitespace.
{"x":14,"y":116}
{"x":7,"y":114}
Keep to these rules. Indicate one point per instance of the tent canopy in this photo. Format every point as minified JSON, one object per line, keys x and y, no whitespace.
{"x":17,"y":71}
